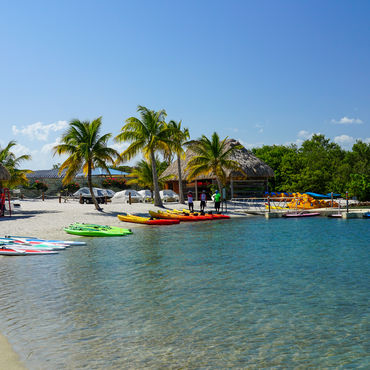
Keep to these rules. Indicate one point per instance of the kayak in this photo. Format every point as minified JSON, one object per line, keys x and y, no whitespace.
{"x":213,"y":215}
{"x":146,"y":220}
{"x":96,"y":230}
{"x":34,"y":242}
{"x":21,"y":244}
{"x":298,"y":214}
{"x":15,"y":251}
{"x":29,"y":238}
{"x":181,"y":217}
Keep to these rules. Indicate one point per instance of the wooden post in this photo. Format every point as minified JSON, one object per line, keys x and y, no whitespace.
{"x":347,"y":200}
{"x":196,"y":190}
{"x":331,"y":196}
{"x":268,"y":202}
{"x":43,"y":196}
{"x":231,"y":187}
{"x":129,"y":198}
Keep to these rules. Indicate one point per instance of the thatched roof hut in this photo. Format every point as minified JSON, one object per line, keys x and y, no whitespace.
{"x":252,"y":166}
{"x":252,"y":181}
{"x":4,"y":173}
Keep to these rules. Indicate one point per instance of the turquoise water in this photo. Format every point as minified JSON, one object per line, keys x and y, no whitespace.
{"x":222,"y":294}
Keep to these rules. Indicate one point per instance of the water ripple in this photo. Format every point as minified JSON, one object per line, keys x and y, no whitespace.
{"x":246,"y":293}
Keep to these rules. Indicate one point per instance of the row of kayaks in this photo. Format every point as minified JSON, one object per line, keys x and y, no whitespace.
{"x":21,"y":245}
{"x":171,"y":217}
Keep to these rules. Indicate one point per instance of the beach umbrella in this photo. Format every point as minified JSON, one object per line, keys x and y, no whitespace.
{"x":4,"y":173}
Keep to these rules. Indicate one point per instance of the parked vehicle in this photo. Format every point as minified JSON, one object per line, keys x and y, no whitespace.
{"x":169,"y":196}
{"x":124,"y":196}
{"x":100,"y":194}
{"x":146,"y":194}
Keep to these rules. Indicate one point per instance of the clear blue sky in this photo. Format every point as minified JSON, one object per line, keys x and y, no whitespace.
{"x":263,"y":72}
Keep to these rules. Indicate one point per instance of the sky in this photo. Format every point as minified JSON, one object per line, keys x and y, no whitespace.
{"x":264,"y":72}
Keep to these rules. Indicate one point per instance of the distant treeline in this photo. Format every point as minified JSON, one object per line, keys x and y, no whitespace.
{"x":319,"y":165}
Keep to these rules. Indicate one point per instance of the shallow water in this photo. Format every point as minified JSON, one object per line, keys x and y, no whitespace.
{"x":237,"y":293}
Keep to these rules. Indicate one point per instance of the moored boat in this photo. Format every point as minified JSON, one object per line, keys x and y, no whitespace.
{"x":301,"y":214}
{"x":181,"y":217}
{"x":146,"y":220}
{"x":96,"y":230}
{"x":18,"y":251}
{"x":30,"y":238}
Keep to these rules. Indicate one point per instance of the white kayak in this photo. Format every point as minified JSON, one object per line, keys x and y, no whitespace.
{"x":38,"y":245}
{"x":14,"y":251}
{"x":29,"y":238}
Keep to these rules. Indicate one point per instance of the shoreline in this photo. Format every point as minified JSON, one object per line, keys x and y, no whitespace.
{"x":9,"y":359}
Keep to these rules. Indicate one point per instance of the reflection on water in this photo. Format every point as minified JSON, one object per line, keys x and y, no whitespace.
{"x":238,"y":293}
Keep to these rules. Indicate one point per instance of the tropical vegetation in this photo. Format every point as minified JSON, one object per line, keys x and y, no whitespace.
{"x":142,"y":175}
{"x":319,"y":165}
{"x":86,"y":149}
{"x":212,"y":156}
{"x":148,"y":135}
{"x":179,"y":137}
{"x":11,"y":162}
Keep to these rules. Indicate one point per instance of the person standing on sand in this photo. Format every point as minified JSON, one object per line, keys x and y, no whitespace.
{"x":190,"y":201}
{"x":217,"y":199}
{"x":203,"y":199}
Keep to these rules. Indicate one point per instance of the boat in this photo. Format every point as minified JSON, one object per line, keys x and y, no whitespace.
{"x":181,"y":217}
{"x":34,"y":242}
{"x":146,"y":220}
{"x":335,"y":215}
{"x":301,"y":214}
{"x":17,"y":251}
{"x":30,"y":238}
{"x":21,"y":244}
{"x":366,"y":215}
{"x":96,"y":230}
{"x":209,"y":214}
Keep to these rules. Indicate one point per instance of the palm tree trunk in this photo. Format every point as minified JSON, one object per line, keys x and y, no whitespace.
{"x":89,"y":182}
{"x":181,"y":192}
{"x":157,"y":198}
{"x":219,"y":184}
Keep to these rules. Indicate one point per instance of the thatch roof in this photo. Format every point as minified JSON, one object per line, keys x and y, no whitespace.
{"x":4,"y":173}
{"x":252,"y":166}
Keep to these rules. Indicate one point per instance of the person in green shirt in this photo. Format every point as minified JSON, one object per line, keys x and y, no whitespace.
{"x":217,"y":199}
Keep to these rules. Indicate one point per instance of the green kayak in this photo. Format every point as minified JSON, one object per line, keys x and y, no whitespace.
{"x":96,"y":230}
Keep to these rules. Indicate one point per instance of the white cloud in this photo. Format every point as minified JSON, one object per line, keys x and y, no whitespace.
{"x":40,"y":131}
{"x":120,"y":147}
{"x":347,"y":121}
{"x":259,"y":127}
{"x":304,"y":134}
{"x":20,"y":149}
{"x":344,"y":139}
{"x":47,"y":148}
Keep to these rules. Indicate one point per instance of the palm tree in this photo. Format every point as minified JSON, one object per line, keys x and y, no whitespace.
{"x":179,"y":137}
{"x":86,"y":150}
{"x":11,"y":162}
{"x":142,"y":174}
{"x":148,"y":134}
{"x":212,"y":156}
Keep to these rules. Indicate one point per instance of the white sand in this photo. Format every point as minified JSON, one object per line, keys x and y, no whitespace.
{"x":46,"y":219}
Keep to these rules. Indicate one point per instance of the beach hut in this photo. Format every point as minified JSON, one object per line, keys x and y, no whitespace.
{"x":4,"y":174}
{"x":253,"y":182}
